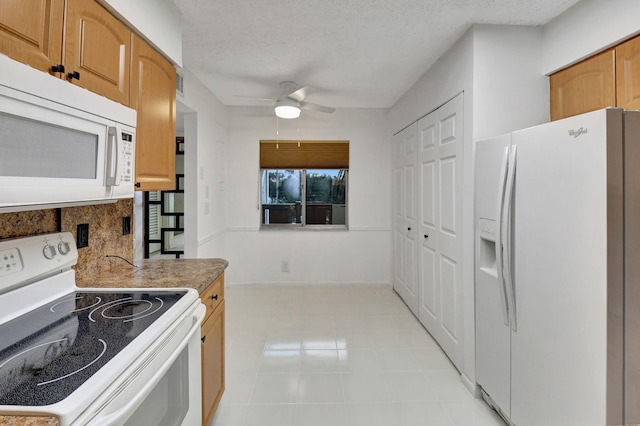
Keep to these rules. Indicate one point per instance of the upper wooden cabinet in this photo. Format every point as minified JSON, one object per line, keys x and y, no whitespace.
{"x":153,"y":95}
{"x":611,"y":78}
{"x":31,"y":31}
{"x":586,"y":86}
{"x":628,"y":74}
{"x":98,"y":48}
{"x":109,"y":60}
{"x":85,"y":38}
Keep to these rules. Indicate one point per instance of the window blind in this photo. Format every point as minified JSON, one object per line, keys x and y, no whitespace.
{"x":304,"y":154}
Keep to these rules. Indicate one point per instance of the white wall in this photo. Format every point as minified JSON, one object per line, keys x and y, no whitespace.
{"x":205,"y":132}
{"x":587,"y":28}
{"x":510,"y":93}
{"x":157,"y":21}
{"x":498,"y":69}
{"x":361,"y":254}
{"x":450,"y":75}
{"x":510,"y":89}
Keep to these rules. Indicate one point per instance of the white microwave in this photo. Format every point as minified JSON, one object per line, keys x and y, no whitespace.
{"x":61,"y":145}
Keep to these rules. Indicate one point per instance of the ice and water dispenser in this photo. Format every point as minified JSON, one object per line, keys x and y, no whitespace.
{"x":487,"y":247}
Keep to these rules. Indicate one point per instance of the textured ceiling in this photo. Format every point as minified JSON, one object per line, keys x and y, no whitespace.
{"x":354,"y":53}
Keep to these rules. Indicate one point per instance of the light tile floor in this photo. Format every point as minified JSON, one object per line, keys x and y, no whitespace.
{"x":337,"y":356}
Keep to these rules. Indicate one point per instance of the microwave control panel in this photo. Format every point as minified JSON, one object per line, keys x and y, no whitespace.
{"x":127,"y":156}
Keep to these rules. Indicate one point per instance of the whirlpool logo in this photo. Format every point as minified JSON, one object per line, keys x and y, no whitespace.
{"x":575,"y":133}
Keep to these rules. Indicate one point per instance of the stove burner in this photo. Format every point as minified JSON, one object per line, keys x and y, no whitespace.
{"x":126,"y":309}
{"x":104,"y":349}
{"x":77,"y":299}
{"x":8,"y":360}
{"x":106,"y":306}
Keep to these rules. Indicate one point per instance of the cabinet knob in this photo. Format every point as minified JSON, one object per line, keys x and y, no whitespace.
{"x":203,"y":338}
{"x":73,"y":75}
{"x":214,"y":297}
{"x":426,"y":236}
{"x":57,"y":68}
{"x":138,"y":185}
{"x":409,"y":229}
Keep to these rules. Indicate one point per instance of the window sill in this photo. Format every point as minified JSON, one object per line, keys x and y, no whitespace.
{"x":305,"y":228}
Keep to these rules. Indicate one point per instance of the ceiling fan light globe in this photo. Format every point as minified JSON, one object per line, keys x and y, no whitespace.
{"x":287,"y":111}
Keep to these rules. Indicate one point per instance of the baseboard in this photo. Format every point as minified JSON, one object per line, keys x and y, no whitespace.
{"x":471,"y":386}
{"x":309,"y":284}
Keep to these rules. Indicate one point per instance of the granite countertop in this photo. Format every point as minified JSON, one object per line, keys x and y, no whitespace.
{"x":28,"y":421}
{"x":158,"y":273}
{"x":149,"y":273}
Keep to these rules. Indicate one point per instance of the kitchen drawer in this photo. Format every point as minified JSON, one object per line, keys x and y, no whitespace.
{"x":213,"y":295}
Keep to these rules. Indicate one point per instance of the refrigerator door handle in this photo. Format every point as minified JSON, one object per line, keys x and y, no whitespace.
{"x":507,"y":240}
{"x":499,"y":255}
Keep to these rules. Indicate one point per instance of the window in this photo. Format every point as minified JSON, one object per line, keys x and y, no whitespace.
{"x":304,"y":183}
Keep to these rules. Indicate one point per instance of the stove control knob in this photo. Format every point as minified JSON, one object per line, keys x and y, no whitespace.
{"x":64,"y":247}
{"x":49,"y":251}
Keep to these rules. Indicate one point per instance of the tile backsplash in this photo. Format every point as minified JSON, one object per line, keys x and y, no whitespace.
{"x":105,"y":231}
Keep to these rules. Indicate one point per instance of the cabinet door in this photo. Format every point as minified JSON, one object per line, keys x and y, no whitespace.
{"x":212,"y":363}
{"x":628,"y":74}
{"x":586,"y":86}
{"x":98,"y":48}
{"x":153,"y":95}
{"x":31,"y":31}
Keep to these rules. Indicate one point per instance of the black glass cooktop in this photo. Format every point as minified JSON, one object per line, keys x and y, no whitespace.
{"x":49,"y":352}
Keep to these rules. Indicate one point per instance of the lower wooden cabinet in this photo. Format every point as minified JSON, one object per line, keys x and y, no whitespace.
{"x":212,"y":350}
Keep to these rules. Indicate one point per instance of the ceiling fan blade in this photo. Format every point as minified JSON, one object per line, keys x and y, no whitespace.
{"x":316,"y":107}
{"x":255,"y":98}
{"x":300,"y":94}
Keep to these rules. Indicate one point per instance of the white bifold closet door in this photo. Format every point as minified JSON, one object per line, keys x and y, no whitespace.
{"x":428,"y":222}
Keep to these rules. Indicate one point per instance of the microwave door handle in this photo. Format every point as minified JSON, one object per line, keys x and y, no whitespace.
{"x":115,"y":162}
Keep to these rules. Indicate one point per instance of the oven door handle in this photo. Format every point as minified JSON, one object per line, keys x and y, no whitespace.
{"x":121,"y":415}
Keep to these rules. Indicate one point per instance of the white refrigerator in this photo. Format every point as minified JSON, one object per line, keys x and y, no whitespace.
{"x":557,"y":255}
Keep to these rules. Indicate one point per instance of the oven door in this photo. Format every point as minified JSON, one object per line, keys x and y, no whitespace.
{"x":163,"y":390}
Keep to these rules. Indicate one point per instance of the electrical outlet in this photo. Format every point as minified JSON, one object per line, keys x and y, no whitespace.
{"x":126,"y":225}
{"x":284,"y":267}
{"x":82,"y":235}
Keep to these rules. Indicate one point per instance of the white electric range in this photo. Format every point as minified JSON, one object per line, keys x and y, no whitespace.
{"x":93,"y":356}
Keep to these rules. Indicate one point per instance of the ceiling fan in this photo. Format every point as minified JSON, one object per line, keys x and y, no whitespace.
{"x":291,"y":101}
